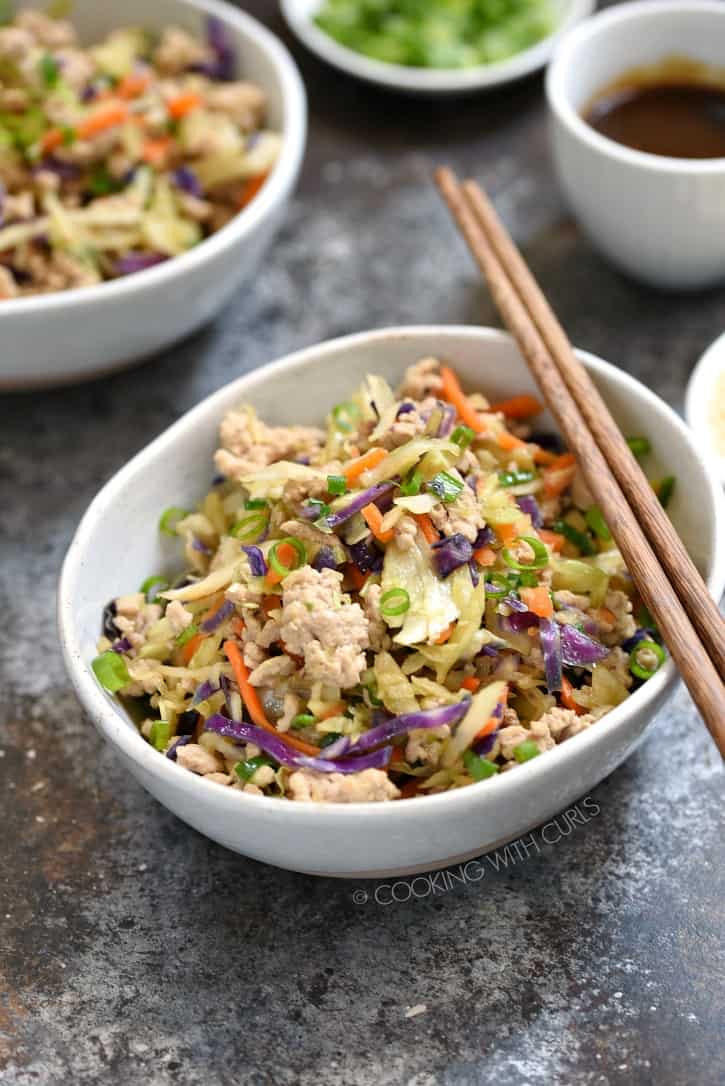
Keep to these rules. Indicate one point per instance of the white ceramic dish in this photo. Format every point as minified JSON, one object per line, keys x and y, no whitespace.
{"x":83,"y":333}
{"x":117,"y":545}
{"x":660,"y":219}
{"x":705,"y":391}
{"x":429,"y":81}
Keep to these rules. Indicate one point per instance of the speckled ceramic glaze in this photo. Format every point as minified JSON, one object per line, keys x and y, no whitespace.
{"x":117,"y":545}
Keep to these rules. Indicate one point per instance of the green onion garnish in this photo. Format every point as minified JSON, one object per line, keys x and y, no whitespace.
{"x":345,"y":416}
{"x":303,"y":720}
{"x":187,"y":634}
{"x":255,"y":503}
{"x":336,"y":484}
{"x":395,"y":601}
{"x":597,"y":523}
{"x":170,"y":518}
{"x":411,"y":486}
{"x":541,"y":555}
{"x":69,"y":136}
{"x":319,"y":508}
{"x":330,"y":738}
{"x":100,"y":183}
{"x":463,"y":436}
{"x":49,"y":70}
{"x":111,"y":671}
{"x":513,"y":478}
{"x":159,"y":584}
{"x":479,"y":768}
{"x":501,"y":585}
{"x":640,"y":446}
{"x":278,"y":565}
{"x":525,"y":751}
{"x":445,"y":486}
{"x":526,"y":579}
{"x":665,"y":489}
{"x":246,"y":770}
{"x":372,"y":689}
{"x":249,"y":528}
{"x":638,"y":669}
{"x":159,"y":734}
{"x":579,"y":539}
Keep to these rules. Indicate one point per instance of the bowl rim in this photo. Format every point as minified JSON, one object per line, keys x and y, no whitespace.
{"x":430,"y":80}
{"x":565,"y":58}
{"x":698,"y":396}
{"x":274,"y":190}
{"x":113,"y":723}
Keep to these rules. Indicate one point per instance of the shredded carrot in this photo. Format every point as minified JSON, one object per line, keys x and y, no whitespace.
{"x":471,"y":683}
{"x":191,"y":646}
{"x":287,"y":555}
{"x":369,"y":460}
{"x":374,"y":519}
{"x":507,"y":441}
{"x":410,"y":788}
{"x":567,"y":697}
{"x":358,"y":579}
{"x":485,"y":556}
{"x":507,"y":532}
{"x":270,"y":603}
{"x":183,"y":103}
{"x":452,"y":392}
{"x":398,"y":756}
{"x":51,"y":139}
{"x":566,"y":460}
{"x":250,"y":189}
{"x":542,"y":456}
{"x":493,"y":722}
{"x":101,"y":120}
{"x":299,"y":660}
{"x":518,"y":407}
{"x":605,"y":615}
{"x":444,"y":635}
{"x":155,"y":151}
{"x":538,"y":600}
{"x":552,"y":539}
{"x":426,"y":526}
{"x":557,"y":480}
{"x":237,"y":625}
{"x":335,"y":710}
{"x":250,"y":697}
{"x":133,"y":85}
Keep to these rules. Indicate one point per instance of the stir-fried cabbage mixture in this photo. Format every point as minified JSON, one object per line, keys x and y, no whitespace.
{"x":419,"y":596}
{"x":117,"y":156}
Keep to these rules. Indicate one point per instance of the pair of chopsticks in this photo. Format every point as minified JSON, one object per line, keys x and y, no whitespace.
{"x":666,"y":578}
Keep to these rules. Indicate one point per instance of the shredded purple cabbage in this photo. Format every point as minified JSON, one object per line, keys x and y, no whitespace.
{"x":449,"y":417}
{"x":399,"y":725}
{"x":202,"y":548}
{"x":483,"y":538}
{"x":204,"y":691}
{"x":450,"y":553}
{"x":366,"y":556}
{"x":488,"y":650}
{"x":404,"y":409}
{"x":122,"y":645}
{"x":579,"y":649}
{"x":257,"y":564}
{"x":224,"y":64}
{"x":220,"y":615}
{"x":519,"y":621}
{"x":67,"y":170}
{"x":474,"y":574}
{"x":358,"y":503}
{"x":133,"y":262}
{"x":286,"y":755}
{"x":485,"y":745}
{"x":514,"y":603}
{"x":180,"y":742}
{"x":185,"y":179}
{"x":527,"y":503}
{"x":549,"y":633}
{"x":325,"y":559}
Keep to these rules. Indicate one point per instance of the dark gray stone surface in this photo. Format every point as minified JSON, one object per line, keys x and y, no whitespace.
{"x":132,"y":950}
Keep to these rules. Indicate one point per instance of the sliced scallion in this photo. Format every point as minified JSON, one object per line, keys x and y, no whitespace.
{"x":527,"y":750}
{"x":573,"y":535}
{"x":152,"y":586}
{"x":111,"y":671}
{"x":514,"y":478}
{"x":186,"y":635}
{"x":638,"y":669}
{"x":336,"y":484}
{"x":411,"y":486}
{"x":345,"y":416}
{"x":479,"y":768}
{"x":395,"y":601}
{"x":597,"y":523}
{"x":445,"y":486}
{"x":463,"y":436}
{"x":170,"y":518}
{"x":640,"y":446}
{"x":250,"y":527}
{"x":665,"y":489}
{"x":246,"y":770}
{"x":255,"y":503}
{"x":541,"y":554}
{"x":159,"y":734}
{"x":49,"y":70}
{"x":276,"y":562}
{"x":303,"y":720}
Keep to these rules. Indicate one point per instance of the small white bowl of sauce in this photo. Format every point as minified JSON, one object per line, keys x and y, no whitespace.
{"x":637,"y":102}
{"x":705,"y":405}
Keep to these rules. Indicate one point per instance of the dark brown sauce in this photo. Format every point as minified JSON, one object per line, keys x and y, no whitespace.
{"x":675,"y":108}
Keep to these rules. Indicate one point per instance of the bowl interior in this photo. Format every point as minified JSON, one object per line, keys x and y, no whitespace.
{"x":118,"y":545}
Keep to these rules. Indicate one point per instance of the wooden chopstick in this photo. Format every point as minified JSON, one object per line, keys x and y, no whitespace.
{"x":654,"y":585}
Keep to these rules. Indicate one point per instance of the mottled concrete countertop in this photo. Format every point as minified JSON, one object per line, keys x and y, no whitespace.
{"x":132,"y":950}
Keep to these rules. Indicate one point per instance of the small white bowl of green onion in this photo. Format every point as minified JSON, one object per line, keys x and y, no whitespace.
{"x":431,"y":47}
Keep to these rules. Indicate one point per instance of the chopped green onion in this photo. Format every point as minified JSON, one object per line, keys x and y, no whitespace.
{"x":579,"y":539}
{"x":330,"y":738}
{"x":541,"y":554}
{"x":372,"y":689}
{"x":111,"y":671}
{"x":526,"y":579}
{"x":278,"y":565}
{"x":665,"y":489}
{"x":597,"y":523}
{"x":479,"y":768}
{"x":463,"y":436}
{"x":249,"y":528}
{"x":336,"y":484}
{"x":644,"y":618}
{"x":170,"y":518}
{"x":49,"y":70}
{"x":100,"y":182}
{"x":513,"y":478}
{"x":345,"y":416}
{"x":303,"y":720}
{"x":68,"y":135}
{"x":527,"y":750}
{"x":186,"y":635}
{"x":246,"y":770}
{"x":638,"y":669}
{"x":255,"y":503}
{"x":411,"y":486}
{"x":502,"y":585}
{"x":321,"y":509}
{"x":395,"y":601}
{"x":159,"y":734}
{"x":445,"y":486}
{"x":639,"y":446}
{"x":159,"y":584}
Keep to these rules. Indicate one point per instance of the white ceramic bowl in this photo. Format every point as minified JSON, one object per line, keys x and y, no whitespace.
{"x":85,"y":332}
{"x":660,"y":219}
{"x":706,"y":396}
{"x":429,"y":81}
{"x":117,"y":545}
